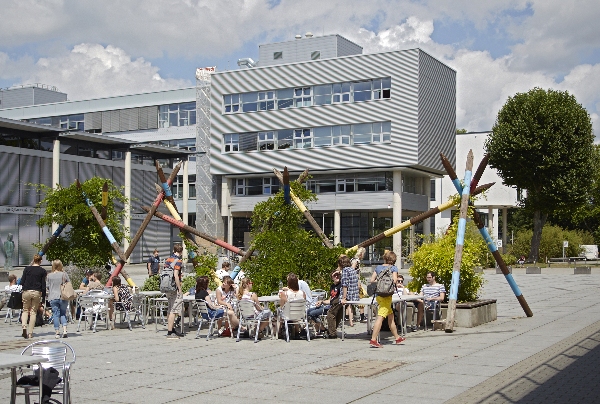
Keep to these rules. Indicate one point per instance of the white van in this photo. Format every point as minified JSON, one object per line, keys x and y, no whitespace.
{"x":590,"y":252}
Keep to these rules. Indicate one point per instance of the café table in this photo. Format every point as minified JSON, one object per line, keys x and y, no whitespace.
{"x":186,"y":299}
{"x":12,"y":362}
{"x":147,"y":306}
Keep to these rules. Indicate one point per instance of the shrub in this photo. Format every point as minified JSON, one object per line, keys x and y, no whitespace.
{"x":551,"y":243}
{"x":438,"y":255}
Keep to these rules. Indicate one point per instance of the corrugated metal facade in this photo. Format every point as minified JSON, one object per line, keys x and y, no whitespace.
{"x":402,"y":109}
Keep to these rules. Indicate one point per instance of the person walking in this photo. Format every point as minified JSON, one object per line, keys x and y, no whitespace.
{"x":33,"y":282}
{"x":385,"y":303}
{"x":56,"y":279}
{"x":175,"y":297}
{"x":153,"y":263}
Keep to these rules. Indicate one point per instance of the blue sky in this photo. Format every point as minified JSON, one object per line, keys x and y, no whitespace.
{"x":92,"y":49}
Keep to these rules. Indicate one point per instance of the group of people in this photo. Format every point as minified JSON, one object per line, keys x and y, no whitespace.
{"x":38,"y":286}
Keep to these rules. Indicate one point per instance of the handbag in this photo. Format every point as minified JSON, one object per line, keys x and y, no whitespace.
{"x":66,"y":291}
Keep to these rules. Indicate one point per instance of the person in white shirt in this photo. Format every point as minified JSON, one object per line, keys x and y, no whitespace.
{"x":8,"y":289}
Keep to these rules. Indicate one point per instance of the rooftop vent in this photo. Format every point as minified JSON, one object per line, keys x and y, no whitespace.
{"x":248,"y":62}
{"x":308,"y":34}
{"x":298,"y":36}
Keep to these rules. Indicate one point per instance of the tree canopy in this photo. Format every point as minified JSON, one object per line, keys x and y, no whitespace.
{"x":82,"y":242}
{"x":542,"y":142}
{"x":284,"y":246}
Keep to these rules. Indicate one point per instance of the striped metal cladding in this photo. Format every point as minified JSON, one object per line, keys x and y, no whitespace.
{"x":402,"y":110}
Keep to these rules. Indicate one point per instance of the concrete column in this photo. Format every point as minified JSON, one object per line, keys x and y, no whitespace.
{"x":184,"y":202}
{"x":495,"y":224}
{"x":504,"y":229}
{"x":127,"y":218}
{"x":55,"y":171}
{"x":427,"y":222}
{"x":226,"y":207}
{"x":337,"y":221}
{"x":397,"y":211}
{"x":230,"y":229}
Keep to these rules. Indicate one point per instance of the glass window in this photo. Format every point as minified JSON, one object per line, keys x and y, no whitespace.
{"x":322,"y":136}
{"x":322,"y":94}
{"x":362,"y":133}
{"x":341,"y":92}
{"x":254,"y":186}
{"x":270,"y":186}
{"x":266,"y":140}
{"x":277,"y":55}
{"x":285,"y":98}
{"x":362,"y":90}
{"x":302,"y":138}
{"x":284,"y":138}
{"x":341,"y":135}
{"x":183,"y":114}
{"x":240,"y":186}
{"x":231,"y":142}
{"x":249,"y":102}
{"x":315,"y":55}
{"x":266,"y":100}
{"x":303,"y":97}
{"x":382,"y":88}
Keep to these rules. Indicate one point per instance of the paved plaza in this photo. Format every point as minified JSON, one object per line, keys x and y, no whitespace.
{"x":550,"y":357}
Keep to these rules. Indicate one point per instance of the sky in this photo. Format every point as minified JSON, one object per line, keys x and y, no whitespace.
{"x":91,"y":49}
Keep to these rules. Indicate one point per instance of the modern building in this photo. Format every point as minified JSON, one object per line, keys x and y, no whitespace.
{"x":369,"y":127}
{"x":39,"y":154}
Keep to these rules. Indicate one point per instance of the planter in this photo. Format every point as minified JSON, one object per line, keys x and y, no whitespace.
{"x":582,"y":271}
{"x":533,"y":270}
{"x":472,"y":314}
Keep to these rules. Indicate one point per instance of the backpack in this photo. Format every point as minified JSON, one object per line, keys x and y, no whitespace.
{"x":167,"y":277}
{"x":385,"y":283}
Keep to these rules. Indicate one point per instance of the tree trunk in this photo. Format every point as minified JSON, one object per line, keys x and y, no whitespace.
{"x":539,"y":219}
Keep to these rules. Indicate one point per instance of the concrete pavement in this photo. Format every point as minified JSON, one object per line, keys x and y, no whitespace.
{"x":489,"y":363}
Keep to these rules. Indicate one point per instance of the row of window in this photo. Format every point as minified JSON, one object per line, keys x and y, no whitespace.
{"x":376,"y":182}
{"x":183,"y":114}
{"x":302,"y":138}
{"x":352,"y":91}
{"x":178,"y":187}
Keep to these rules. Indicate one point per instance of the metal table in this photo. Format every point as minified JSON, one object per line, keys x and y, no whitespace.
{"x":12,"y":362}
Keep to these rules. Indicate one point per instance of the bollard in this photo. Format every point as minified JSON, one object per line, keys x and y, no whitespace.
{"x":533,"y":270}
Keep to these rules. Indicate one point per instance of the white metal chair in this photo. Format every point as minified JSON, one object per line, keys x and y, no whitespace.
{"x":61,"y":357}
{"x":137,"y":301}
{"x":248,"y":317}
{"x":92,"y":307}
{"x":293,"y":312}
{"x":203,"y":314}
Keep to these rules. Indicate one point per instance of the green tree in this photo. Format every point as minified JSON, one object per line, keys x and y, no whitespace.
{"x":284,"y":246}
{"x":82,"y":242}
{"x":437,"y":254}
{"x":542,"y":142}
{"x":551,"y":242}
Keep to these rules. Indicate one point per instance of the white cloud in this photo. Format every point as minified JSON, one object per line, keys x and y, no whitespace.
{"x":91,"y":71}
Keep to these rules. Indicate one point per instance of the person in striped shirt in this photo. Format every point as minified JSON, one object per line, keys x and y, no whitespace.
{"x":432,"y":291}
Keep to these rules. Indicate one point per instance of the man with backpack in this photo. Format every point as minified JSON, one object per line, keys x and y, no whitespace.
{"x":170,"y":284}
{"x":385,"y":276}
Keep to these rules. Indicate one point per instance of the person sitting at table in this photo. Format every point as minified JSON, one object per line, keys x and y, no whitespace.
{"x":432,"y":292}
{"x":86,"y":279}
{"x":203,"y":294}
{"x":123,"y":299}
{"x":292,"y":291}
{"x":226,"y":298}
{"x":94,"y":283}
{"x":322,"y":306}
{"x":385,"y":302}
{"x":260,"y":312}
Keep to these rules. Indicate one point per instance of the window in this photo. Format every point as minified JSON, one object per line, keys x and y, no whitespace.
{"x":315,"y":55}
{"x":362,"y":90}
{"x":240,"y":186}
{"x":381,"y":132}
{"x":322,"y":94}
{"x":341,"y":135}
{"x":266,"y":100}
{"x":183,"y":114}
{"x":432,"y":192}
{"x":249,"y":102}
{"x":302,"y":97}
{"x":341,"y":92}
{"x":322,"y":136}
{"x":277,"y":55}
{"x":178,"y":187}
{"x":231,"y":102}
{"x":270,"y":186}
{"x":232,"y":142}
{"x":285,"y":98}
{"x":362,"y":133}
{"x":382,"y":88}
{"x":71,"y":122}
{"x":302,"y":138}
{"x":284,"y":138}
{"x":266,"y":140}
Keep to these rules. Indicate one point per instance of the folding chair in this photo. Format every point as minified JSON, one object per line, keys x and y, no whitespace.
{"x":248,"y":316}
{"x":61,"y":357}
{"x":203,"y":314}
{"x":293,"y":312}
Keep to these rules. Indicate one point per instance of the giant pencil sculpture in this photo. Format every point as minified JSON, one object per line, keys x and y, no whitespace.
{"x":286,"y":186}
{"x":166,"y":184}
{"x":486,"y":236}
{"x":460,"y":242}
{"x":104,"y":200}
{"x":305,"y":212}
{"x":416,"y":219}
{"x":51,"y":240}
{"x":109,"y":236}
{"x":183,"y":226}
